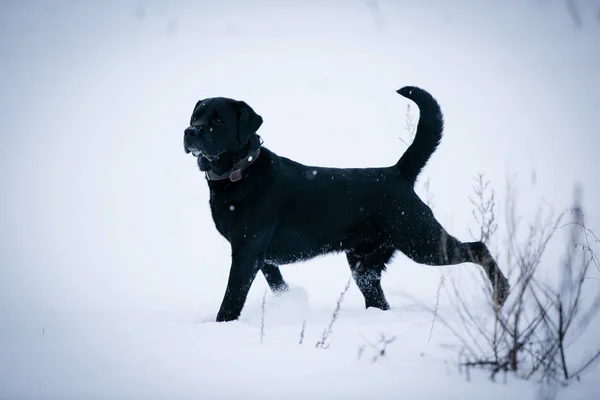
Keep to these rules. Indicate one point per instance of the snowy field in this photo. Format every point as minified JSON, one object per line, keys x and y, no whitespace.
{"x":111,"y":270}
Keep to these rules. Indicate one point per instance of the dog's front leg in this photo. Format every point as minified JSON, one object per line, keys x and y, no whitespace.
{"x":274,"y":278}
{"x":241,"y":275}
{"x":246,"y":260}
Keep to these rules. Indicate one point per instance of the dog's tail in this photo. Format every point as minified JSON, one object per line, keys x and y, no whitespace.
{"x":428,"y":136}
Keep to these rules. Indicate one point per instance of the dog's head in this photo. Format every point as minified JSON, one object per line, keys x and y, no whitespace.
{"x":219,"y":125}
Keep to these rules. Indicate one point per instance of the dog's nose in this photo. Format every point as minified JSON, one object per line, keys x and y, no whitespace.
{"x":191,"y":131}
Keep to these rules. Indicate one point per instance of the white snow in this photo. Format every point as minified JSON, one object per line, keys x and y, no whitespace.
{"x":111,"y":269}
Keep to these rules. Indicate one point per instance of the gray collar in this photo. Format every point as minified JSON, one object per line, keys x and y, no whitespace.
{"x":235,"y":173}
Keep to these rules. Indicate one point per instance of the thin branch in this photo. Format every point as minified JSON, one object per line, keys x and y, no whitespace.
{"x":262,"y":318}
{"x":437,"y":303}
{"x":327,"y":332}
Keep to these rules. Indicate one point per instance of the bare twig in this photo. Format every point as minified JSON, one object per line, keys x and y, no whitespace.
{"x":327,"y":332}
{"x":410,"y":127}
{"x":484,"y":205}
{"x":532,"y":334}
{"x":302,"y":331}
{"x":262,"y":318}
{"x":437,"y":303}
{"x":428,"y":194}
{"x":574,"y":12}
{"x":379,"y":348}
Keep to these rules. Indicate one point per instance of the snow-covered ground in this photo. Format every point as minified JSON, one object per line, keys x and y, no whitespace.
{"x":111,"y":271}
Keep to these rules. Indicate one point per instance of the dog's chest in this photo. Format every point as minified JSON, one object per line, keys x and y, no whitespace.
{"x":236,"y":212}
{"x":223,"y":215}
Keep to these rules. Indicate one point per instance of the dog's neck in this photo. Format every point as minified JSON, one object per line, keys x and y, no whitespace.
{"x":229,"y":165}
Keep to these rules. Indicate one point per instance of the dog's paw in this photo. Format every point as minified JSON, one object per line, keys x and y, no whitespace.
{"x":280,"y":289}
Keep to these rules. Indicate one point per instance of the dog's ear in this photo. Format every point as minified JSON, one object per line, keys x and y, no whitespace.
{"x":249,"y":121}
{"x":194,"y":109}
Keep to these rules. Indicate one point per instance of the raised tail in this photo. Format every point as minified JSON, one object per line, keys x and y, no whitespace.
{"x":428,"y":136}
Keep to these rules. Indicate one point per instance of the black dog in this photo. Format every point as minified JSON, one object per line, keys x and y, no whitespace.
{"x":276,"y":211}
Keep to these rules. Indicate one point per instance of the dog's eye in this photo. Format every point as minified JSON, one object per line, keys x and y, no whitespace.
{"x":217,"y":120}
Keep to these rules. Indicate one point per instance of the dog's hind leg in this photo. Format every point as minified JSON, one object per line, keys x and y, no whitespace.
{"x":274,"y":278}
{"x":428,"y":243}
{"x":367,"y":275}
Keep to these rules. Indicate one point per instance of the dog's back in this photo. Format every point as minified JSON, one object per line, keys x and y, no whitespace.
{"x":335,"y":209}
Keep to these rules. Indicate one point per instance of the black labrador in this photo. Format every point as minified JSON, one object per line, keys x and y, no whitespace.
{"x":275,"y":211}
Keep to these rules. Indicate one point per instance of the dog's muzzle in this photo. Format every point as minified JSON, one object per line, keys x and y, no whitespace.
{"x":189,"y":132}
{"x":195,"y":152}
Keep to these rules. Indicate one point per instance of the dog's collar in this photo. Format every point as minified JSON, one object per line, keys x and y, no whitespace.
{"x":235,"y":173}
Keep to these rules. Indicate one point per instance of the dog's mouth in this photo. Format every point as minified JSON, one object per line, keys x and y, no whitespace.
{"x":195,"y":152}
